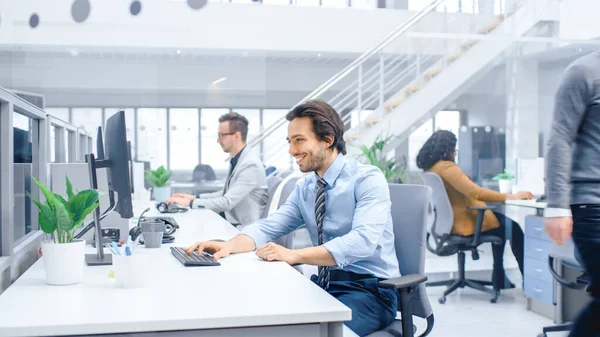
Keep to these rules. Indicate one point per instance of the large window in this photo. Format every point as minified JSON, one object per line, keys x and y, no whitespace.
{"x":152,"y":136}
{"x":212,"y":154}
{"x":184,"y":139}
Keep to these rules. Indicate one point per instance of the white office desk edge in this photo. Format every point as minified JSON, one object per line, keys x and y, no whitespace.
{"x":247,"y":292}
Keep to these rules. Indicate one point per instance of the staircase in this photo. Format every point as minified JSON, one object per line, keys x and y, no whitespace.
{"x":421,"y":67}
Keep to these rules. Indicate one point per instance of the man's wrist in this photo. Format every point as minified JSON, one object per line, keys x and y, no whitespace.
{"x":297,"y":257}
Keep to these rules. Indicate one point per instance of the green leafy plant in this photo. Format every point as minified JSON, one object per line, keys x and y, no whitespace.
{"x":159,"y":177}
{"x":506,"y":175}
{"x":61,"y":218}
{"x":375,"y":156}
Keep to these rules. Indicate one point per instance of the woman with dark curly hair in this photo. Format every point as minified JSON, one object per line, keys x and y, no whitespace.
{"x":438,"y":155}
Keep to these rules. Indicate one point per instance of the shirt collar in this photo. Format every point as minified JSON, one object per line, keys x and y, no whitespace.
{"x":235,"y":159}
{"x":334,"y":170}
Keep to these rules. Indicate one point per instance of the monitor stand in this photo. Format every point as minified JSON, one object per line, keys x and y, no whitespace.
{"x":98,"y":259}
{"x":93,"y":260}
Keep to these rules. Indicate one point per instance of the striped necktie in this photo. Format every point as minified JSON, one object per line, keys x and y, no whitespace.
{"x":323,"y":277}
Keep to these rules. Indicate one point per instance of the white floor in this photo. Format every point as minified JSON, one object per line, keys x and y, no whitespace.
{"x":467,"y":312}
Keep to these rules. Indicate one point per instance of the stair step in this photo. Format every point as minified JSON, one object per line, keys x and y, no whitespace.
{"x":489,"y":28}
{"x":412,"y":89}
{"x":455,"y":56}
{"x":391,"y":105}
{"x":433,"y":73}
{"x":468,"y":44}
{"x":373,"y":120}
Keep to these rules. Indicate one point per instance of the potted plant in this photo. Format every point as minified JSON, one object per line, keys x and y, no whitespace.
{"x":505,"y":181}
{"x":63,"y":255}
{"x":394,"y":172}
{"x":158,"y":180}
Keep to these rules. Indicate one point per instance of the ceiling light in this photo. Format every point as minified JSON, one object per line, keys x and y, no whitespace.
{"x":220,"y":80}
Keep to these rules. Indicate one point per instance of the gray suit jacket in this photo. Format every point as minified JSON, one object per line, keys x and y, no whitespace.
{"x":244,"y":196}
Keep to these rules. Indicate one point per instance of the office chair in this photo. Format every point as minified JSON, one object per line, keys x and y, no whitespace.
{"x":203,"y":172}
{"x":285,"y":188}
{"x":448,"y":244}
{"x":270,"y":170}
{"x":272,"y":184}
{"x":566,"y":255}
{"x":409,"y":215}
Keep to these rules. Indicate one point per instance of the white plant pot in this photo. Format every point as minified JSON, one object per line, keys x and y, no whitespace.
{"x":63,"y":262}
{"x":506,"y":186}
{"x":161,"y":193}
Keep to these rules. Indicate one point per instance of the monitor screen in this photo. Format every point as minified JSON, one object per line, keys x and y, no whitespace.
{"x":116,"y":152}
{"x":99,"y":144}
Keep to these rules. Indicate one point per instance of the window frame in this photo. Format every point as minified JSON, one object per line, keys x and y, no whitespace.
{"x":9,"y":104}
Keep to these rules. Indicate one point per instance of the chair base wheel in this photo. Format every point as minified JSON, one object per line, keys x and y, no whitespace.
{"x":442,"y":299}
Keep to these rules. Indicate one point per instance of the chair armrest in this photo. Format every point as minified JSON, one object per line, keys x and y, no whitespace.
{"x":478,"y":226}
{"x":403,"y":282}
{"x":480,"y":208}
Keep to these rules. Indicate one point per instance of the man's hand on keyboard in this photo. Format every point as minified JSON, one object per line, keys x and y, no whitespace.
{"x":217,"y":249}
{"x":274,"y":252}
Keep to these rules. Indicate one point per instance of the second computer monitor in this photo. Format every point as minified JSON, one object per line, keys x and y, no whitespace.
{"x":116,"y":152}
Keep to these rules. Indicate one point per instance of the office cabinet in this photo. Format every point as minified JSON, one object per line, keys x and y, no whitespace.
{"x":538,"y":282}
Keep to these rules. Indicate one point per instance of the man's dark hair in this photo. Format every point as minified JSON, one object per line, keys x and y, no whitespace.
{"x":440,"y":146}
{"x":237,"y":123}
{"x":325,"y":122}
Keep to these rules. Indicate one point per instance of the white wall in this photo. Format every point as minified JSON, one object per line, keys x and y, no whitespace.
{"x":218,"y":26}
{"x":579,"y":19}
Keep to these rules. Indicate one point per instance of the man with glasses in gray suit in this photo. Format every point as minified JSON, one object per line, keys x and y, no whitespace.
{"x":244,"y":196}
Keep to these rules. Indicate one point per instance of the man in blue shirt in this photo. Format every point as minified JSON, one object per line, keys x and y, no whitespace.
{"x":346,"y":208}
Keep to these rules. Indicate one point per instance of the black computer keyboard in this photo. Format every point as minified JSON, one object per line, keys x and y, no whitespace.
{"x":193,"y":260}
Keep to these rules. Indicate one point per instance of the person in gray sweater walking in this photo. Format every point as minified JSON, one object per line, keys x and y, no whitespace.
{"x":573,"y":177}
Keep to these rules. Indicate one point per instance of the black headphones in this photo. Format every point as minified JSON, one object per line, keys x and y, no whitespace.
{"x":170,"y":208}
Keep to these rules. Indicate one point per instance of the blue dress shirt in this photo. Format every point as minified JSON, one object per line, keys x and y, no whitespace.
{"x":357,"y":228}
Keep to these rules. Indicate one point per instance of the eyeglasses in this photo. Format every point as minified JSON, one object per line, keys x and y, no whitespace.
{"x":220,"y":135}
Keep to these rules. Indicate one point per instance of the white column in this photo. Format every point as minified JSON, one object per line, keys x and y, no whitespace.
{"x":522,"y":116}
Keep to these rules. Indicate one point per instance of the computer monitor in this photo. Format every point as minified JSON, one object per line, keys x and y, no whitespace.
{"x":99,"y":144}
{"x":117,"y":163}
{"x":118,"y":166}
{"x":131,"y":177}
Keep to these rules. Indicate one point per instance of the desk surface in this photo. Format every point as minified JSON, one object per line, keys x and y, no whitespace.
{"x":526,"y":203}
{"x":243,"y":291}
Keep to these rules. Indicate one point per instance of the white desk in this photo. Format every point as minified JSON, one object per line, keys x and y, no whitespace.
{"x":527,"y":203}
{"x":245,"y":296}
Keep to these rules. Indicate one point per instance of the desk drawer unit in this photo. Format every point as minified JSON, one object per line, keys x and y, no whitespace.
{"x":538,"y":280}
{"x":534,"y":228}
{"x":537,"y":269}
{"x":540,"y":290}
{"x":537,"y":249}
